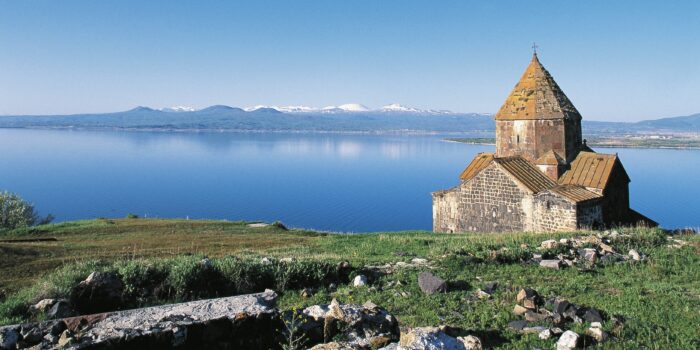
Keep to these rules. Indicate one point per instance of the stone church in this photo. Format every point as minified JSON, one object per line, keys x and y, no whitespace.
{"x":542,"y":177}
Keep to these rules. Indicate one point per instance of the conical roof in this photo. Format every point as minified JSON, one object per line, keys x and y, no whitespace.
{"x":537,"y":96}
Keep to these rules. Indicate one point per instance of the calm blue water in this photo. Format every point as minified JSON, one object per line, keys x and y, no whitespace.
{"x":352,"y":183}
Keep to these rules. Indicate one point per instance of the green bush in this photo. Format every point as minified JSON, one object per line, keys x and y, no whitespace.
{"x":16,"y":212}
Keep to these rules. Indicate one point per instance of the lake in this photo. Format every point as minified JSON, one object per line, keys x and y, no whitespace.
{"x":349,"y":183}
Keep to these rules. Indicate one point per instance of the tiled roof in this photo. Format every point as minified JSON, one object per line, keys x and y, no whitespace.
{"x":550,"y":158}
{"x":537,"y":96}
{"x":591,"y":169}
{"x":481,"y":161}
{"x":575,"y":193}
{"x":526,"y":173}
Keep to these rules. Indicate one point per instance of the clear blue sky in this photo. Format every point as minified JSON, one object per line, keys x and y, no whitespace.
{"x":616,"y":60}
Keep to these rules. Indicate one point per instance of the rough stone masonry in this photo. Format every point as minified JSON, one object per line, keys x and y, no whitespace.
{"x":542,"y":176}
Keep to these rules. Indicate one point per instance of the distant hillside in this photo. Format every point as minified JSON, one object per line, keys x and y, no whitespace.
{"x":345,"y":118}
{"x":690,"y":123}
{"x":265,"y":118}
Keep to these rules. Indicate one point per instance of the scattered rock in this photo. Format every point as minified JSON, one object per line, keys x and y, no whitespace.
{"x":635,"y":255}
{"x":431,"y":284}
{"x":265,"y":261}
{"x":589,"y":254}
{"x":369,"y":305}
{"x":592,"y":315}
{"x":354,"y":326}
{"x":359,"y":281}
{"x":334,"y":346}
{"x":482,"y":295}
{"x":306,"y":293}
{"x":532,"y":316}
{"x":545,"y":334}
{"x":429,"y":338}
{"x":206,"y":263}
{"x":31,"y":334}
{"x":491,"y":287}
{"x":549,"y":244}
{"x":100,"y":292}
{"x":529,"y":298}
{"x":471,"y":342}
{"x":419,"y":261}
{"x":288,"y":260}
{"x":42,"y":306}
{"x":65,"y":339}
{"x":258,"y":225}
{"x":568,"y":340}
{"x":212,"y":321}
{"x":560,"y":306}
{"x":57,"y":327}
{"x":533,"y":330}
{"x":9,"y":336}
{"x":50,"y":338}
{"x":519,"y":310}
{"x":597,"y":333}
{"x":61,"y":309}
{"x":556,"y":331}
{"x":517,"y":325}
{"x":552,"y":264}
{"x":606,"y":248}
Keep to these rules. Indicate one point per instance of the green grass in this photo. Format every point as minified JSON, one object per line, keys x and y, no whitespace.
{"x":659,"y":297}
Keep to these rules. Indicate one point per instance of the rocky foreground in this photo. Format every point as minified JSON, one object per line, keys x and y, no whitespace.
{"x":630,"y":288}
{"x":240,"y":322}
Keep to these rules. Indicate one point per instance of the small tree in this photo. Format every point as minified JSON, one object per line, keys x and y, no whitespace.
{"x":16,"y":212}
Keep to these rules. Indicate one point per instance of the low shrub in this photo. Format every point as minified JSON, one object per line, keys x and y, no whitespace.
{"x":155,"y":281}
{"x":15,"y":212}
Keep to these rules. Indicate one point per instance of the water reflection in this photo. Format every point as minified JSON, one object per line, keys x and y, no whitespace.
{"x":332,"y":182}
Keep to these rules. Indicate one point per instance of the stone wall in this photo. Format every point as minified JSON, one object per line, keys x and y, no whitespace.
{"x":573,"y":139}
{"x":616,"y":197}
{"x":529,"y":138}
{"x":489,"y":202}
{"x":553,"y":213}
{"x":590,"y":215}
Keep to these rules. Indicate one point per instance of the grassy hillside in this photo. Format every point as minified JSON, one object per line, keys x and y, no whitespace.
{"x":659,"y":297}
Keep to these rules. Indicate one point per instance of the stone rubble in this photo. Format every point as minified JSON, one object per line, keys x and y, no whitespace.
{"x":366,"y":326}
{"x":577,"y":251}
{"x":568,"y":340}
{"x":359,"y":281}
{"x":434,"y":338}
{"x":246,"y":321}
{"x":390,"y":268}
{"x":555,"y":313}
{"x":99,"y":292}
{"x":431,"y":284}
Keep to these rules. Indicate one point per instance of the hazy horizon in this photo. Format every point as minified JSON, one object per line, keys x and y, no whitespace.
{"x":616,"y":62}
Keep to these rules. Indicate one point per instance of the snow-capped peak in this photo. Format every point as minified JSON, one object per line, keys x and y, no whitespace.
{"x":178,"y":109}
{"x":353,"y":107}
{"x":253,"y":108}
{"x":395,"y":107}
{"x":347,"y":108}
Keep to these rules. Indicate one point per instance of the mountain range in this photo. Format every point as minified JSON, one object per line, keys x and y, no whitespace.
{"x":343,"y":118}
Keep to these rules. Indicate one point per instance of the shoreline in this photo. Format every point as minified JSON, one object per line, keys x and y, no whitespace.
{"x":469,"y":141}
